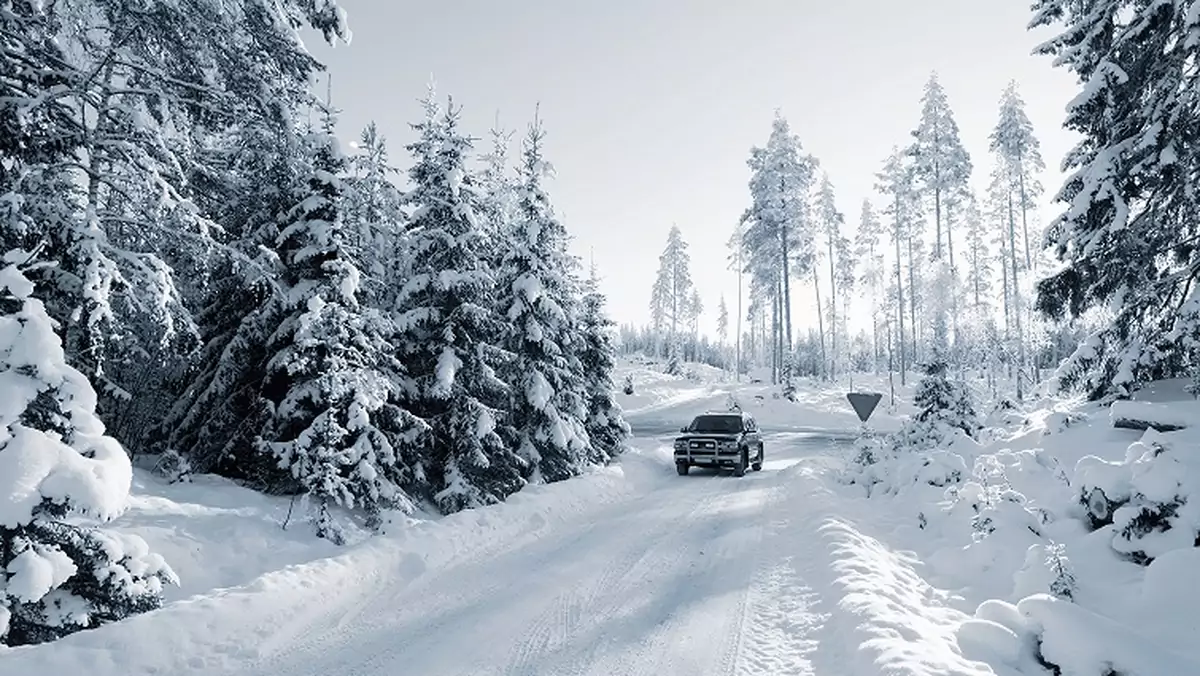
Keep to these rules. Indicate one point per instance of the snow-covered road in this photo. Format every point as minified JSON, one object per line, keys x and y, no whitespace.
{"x":690,"y":578}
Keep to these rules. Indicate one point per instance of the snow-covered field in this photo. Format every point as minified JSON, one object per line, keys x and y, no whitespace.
{"x":634,"y":570}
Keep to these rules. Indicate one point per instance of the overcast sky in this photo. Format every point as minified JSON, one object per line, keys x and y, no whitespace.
{"x":651,"y":106}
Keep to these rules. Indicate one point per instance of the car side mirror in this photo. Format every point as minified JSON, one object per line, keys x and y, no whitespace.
{"x":682,"y":429}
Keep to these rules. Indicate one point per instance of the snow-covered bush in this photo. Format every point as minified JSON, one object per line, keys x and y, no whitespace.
{"x":58,"y":576}
{"x":174,"y":467}
{"x":627,"y":387}
{"x":943,"y":404}
{"x":883,"y":468}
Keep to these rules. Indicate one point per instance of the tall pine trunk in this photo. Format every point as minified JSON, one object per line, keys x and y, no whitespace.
{"x":912,"y":303}
{"x":833,"y":317}
{"x":786,"y":299}
{"x":820,"y":323}
{"x":737,"y":359}
{"x":1016,"y":310}
{"x":1024,"y":208}
{"x":899,"y":299}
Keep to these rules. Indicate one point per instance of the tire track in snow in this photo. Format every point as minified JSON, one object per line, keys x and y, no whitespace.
{"x":784,"y":618}
{"x":597,"y":603}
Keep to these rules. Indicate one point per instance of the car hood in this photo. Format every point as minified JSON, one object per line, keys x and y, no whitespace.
{"x":719,"y":436}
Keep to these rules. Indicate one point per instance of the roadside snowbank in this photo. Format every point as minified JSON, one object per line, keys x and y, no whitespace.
{"x":212,"y":632}
{"x":1059,"y":539}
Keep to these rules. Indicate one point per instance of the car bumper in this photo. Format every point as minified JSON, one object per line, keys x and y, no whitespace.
{"x":708,"y":458}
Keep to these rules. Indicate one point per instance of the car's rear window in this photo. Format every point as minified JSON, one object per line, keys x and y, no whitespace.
{"x":716,"y":423}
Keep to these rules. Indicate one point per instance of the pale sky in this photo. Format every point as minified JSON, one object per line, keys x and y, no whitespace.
{"x":651,"y":106}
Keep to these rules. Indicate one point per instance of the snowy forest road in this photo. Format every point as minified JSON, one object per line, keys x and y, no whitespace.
{"x":692,"y":577}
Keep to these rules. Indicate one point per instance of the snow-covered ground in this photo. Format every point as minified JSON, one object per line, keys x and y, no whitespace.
{"x":634,"y":570}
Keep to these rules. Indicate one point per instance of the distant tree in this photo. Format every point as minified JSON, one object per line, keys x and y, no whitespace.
{"x":868,"y":254}
{"x":1019,"y":153}
{"x":895,"y":182}
{"x":940,"y":163}
{"x":670,"y":300}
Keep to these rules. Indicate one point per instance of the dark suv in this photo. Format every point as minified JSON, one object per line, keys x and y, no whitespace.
{"x":720,"y":440}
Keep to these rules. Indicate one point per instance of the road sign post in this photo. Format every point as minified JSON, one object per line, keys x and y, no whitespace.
{"x":864,"y":404}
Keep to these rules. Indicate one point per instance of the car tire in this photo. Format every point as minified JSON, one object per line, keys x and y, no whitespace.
{"x":681,"y":468}
{"x":757,"y":466}
{"x":739,"y":469}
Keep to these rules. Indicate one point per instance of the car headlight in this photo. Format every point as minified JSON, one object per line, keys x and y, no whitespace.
{"x":680,"y":444}
{"x":726,"y":445}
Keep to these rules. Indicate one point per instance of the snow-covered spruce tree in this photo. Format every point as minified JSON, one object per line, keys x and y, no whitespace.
{"x":605,"y":423}
{"x":535,"y":293}
{"x":450,"y":335}
{"x":941,"y":401}
{"x":374,"y":220}
{"x":56,"y":464}
{"x":1128,"y":232}
{"x":219,"y":408}
{"x":333,"y":380}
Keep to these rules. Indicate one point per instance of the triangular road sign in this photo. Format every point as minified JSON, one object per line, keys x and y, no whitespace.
{"x":864,"y":403}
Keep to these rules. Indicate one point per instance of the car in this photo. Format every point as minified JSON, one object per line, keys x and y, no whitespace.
{"x":722,"y":439}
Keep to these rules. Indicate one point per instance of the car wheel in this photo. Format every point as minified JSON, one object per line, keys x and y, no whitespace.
{"x":682,"y":468}
{"x":757,"y":466}
{"x":739,"y":469}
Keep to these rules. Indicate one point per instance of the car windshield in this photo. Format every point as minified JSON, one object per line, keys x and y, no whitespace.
{"x":716,"y":423}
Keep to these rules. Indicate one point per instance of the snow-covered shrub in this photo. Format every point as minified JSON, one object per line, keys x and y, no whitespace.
{"x":1150,"y":501}
{"x":674,"y":365}
{"x":57,"y":464}
{"x":1061,"y":421}
{"x":174,"y":467}
{"x":944,"y":403}
{"x":627,"y":388}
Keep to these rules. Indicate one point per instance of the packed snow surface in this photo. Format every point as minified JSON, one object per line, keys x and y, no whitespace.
{"x":631,"y":569}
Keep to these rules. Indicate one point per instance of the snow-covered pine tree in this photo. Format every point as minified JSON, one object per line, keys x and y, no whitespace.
{"x":869,"y":258}
{"x":133,"y":220}
{"x":1019,"y":154}
{"x":896,"y":183}
{"x":450,"y":335}
{"x":722,"y":324}
{"x":671,"y":295}
{"x":333,"y":379}
{"x":695,"y":309}
{"x":219,"y":408}
{"x":606,"y":426}
{"x":536,"y":294}
{"x":778,"y":237}
{"x":1016,"y":187}
{"x":941,"y":164}
{"x":1127,"y":234}
{"x":499,"y":208}
{"x":829,"y":223}
{"x":374,"y":222}
{"x":57,"y":464}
